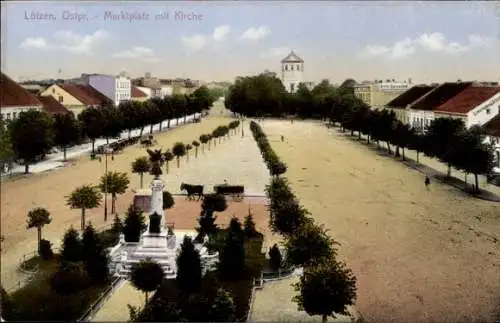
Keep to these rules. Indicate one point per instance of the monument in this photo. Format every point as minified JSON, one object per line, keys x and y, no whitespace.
{"x":159,"y":242}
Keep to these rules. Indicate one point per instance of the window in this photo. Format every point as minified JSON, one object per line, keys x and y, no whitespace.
{"x":61,"y":99}
{"x":53,"y":90}
{"x":14,"y":115}
{"x":8,"y":116}
{"x":286,"y":67}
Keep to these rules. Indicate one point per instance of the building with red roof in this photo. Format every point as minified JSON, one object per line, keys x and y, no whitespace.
{"x":14,"y":99}
{"x":77,"y":97}
{"x":476,"y":105}
{"x":52,"y":106}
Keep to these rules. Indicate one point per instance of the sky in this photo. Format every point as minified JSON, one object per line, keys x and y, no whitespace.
{"x":209,"y":40}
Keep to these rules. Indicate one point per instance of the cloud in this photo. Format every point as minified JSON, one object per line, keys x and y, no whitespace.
{"x":198,"y":41}
{"x":142,"y":53}
{"x":194,"y":42}
{"x":220,"y":33}
{"x":430,"y":42}
{"x":68,"y":41}
{"x":276,"y":52}
{"x":256,"y":33}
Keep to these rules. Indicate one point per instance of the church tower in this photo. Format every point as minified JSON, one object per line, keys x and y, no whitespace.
{"x":292,"y":72}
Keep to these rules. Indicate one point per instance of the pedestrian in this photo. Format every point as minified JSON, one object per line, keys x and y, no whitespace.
{"x":427,"y":181}
{"x":282,"y":138}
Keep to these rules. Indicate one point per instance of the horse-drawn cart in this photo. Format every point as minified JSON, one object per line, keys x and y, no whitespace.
{"x":237,"y":192}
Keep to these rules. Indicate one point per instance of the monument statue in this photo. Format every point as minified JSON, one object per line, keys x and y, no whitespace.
{"x":156,"y":205}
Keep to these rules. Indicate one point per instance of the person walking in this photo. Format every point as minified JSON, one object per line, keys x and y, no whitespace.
{"x":427,"y":181}
{"x":282,"y":138}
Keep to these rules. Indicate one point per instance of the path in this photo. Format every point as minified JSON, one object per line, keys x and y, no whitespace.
{"x":273,"y":303}
{"x":115,"y":309}
{"x":418,"y":254}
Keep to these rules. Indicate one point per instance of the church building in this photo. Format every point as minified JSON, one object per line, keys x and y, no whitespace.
{"x":292,"y":72}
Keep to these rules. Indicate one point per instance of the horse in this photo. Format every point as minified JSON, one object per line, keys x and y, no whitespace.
{"x":192,"y":190}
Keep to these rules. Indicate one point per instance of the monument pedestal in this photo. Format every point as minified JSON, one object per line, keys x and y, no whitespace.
{"x":154,"y":240}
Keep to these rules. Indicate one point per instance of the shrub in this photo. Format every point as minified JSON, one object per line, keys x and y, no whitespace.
{"x":275,"y":258}
{"x":46,"y":252}
{"x":168,"y":200}
{"x":69,"y":279}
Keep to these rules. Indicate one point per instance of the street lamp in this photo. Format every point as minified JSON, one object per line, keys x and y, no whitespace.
{"x":106,"y":178}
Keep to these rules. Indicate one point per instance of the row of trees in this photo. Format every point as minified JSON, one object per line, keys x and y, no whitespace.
{"x":446,"y":139}
{"x":32,"y":135}
{"x":326,"y":287}
{"x":275,"y":166}
{"x":197,"y":296}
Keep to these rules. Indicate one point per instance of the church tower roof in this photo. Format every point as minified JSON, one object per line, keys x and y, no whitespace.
{"x":292,"y":58}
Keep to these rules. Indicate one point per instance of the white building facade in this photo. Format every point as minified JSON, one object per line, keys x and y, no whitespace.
{"x":166,"y":90}
{"x":292,"y":72}
{"x":11,"y":113}
{"x":420,"y":119}
{"x":116,"y":88}
{"x":484,"y":112}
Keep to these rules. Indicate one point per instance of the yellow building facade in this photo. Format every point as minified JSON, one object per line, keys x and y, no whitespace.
{"x":377,"y":95}
{"x":65,"y":98}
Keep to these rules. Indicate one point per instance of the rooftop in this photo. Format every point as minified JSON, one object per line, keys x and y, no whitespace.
{"x":85,"y":94}
{"x":492,"y":127}
{"x":292,"y":58}
{"x":410,"y":96}
{"x":439,"y":95}
{"x":468,"y":99}
{"x":136,"y":93}
{"x":52,"y":106}
{"x":14,"y":95}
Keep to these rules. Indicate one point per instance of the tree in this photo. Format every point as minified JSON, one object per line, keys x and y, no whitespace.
{"x":168,"y":200}
{"x":223,"y":308}
{"x":196,"y":144}
{"x":66,"y":131}
{"x":308,"y":245}
{"x":141,"y":166}
{"x":168,"y":156}
{"x":203,"y":139}
{"x":211,"y":203}
{"x":188,"y":148}
{"x":130,"y":115}
{"x":113,"y":122}
{"x":84,"y":197}
{"x":147,"y":276}
{"x":90,"y":243}
{"x":286,"y":216}
{"x":472,"y":155}
{"x":69,"y":279}
{"x":156,"y":160}
{"x":114,"y":183}
{"x":93,"y":123}
{"x":38,"y":218}
{"x":32,"y":136}
{"x":189,"y":271}
{"x":326,"y":289}
{"x":71,"y":246}
{"x":179,"y":150}
{"x":94,"y":256}
{"x":232,"y":256}
{"x":441,"y":136}
{"x":249,"y":226}
{"x":275,"y":258}
{"x":134,"y":224}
